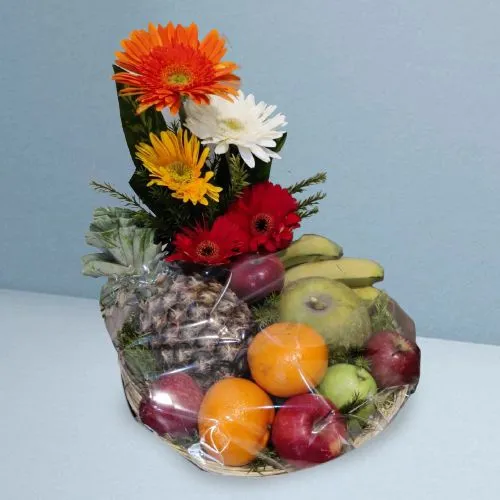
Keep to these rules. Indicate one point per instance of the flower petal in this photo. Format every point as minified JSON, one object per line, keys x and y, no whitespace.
{"x":221,"y":148}
{"x":247,"y":156}
{"x":260,"y":153}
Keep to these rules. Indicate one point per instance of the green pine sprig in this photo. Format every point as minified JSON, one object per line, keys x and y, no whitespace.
{"x":239,"y":177}
{"x":142,"y":217}
{"x":266,"y":458}
{"x":140,"y":360}
{"x":301,"y":186}
{"x":233,"y":178}
{"x":266,"y":312}
{"x":354,"y":404}
{"x":128,"y":200}
{"x":184,"y":441}
{"x":381,"y":316}
{"x":308,"y":206}
{"x":351,"y":355}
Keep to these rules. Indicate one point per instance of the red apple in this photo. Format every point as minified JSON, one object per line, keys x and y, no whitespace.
{"x":394,"y":359}
{"x":254,"y":277}
{"x":172,"y":405}
{"x":308,"y":429}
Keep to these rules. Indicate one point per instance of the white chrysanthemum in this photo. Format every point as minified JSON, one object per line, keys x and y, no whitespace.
{"x":241,"y":122}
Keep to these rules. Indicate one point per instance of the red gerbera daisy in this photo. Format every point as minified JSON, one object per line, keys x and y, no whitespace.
{"x":213,"y":246}
{"x":268,"y":214}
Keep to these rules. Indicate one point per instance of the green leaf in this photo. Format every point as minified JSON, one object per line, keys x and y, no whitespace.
{"x":280,"y":142}
{"x":137,"y":127}
{"x":222,"y":175}
{"x":262,"y":170}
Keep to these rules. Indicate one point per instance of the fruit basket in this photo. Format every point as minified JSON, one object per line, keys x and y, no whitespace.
{"x":385,"y":403}
{"x":247,"y":349}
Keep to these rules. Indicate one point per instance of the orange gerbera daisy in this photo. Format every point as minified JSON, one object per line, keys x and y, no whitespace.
{"x":166,"y":63}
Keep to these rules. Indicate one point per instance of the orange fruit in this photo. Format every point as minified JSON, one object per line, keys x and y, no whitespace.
{"x":234,"y":421}
{"x":287,"y":359}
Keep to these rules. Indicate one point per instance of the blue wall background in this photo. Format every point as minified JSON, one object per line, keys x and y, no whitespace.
{"x":399,"y":101}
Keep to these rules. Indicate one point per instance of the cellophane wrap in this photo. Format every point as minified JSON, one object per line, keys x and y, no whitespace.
{"x":236,"y":389}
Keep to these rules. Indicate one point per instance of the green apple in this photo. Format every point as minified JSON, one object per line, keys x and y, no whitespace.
{"x":347,"y":385}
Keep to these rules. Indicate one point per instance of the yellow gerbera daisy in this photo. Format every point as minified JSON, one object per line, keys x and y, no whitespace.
{"x":174,"y":161}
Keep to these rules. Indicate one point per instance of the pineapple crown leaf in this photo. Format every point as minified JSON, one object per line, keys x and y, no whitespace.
{"x":125,"y":247}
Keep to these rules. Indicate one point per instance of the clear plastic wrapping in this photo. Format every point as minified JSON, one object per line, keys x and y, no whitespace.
{"x":246,"y":381}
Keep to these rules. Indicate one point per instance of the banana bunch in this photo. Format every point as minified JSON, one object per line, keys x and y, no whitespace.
{"x":313,"y":255}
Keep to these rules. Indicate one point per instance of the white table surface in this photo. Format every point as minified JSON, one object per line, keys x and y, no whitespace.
{"x":66,"y":432}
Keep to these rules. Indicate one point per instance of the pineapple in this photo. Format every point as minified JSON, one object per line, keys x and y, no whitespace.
{"x":196,"y":325}
{"x":159,"y":318}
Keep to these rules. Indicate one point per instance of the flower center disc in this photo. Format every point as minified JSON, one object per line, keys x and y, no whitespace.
{"x":207,"y":248}
{"x":180,"y":172}
{"x":233,"y":124}
{"x":177,"y":77}
{"x":262,"y":223}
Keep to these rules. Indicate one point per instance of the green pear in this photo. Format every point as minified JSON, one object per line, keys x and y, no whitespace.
{"x":328,"y":306}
